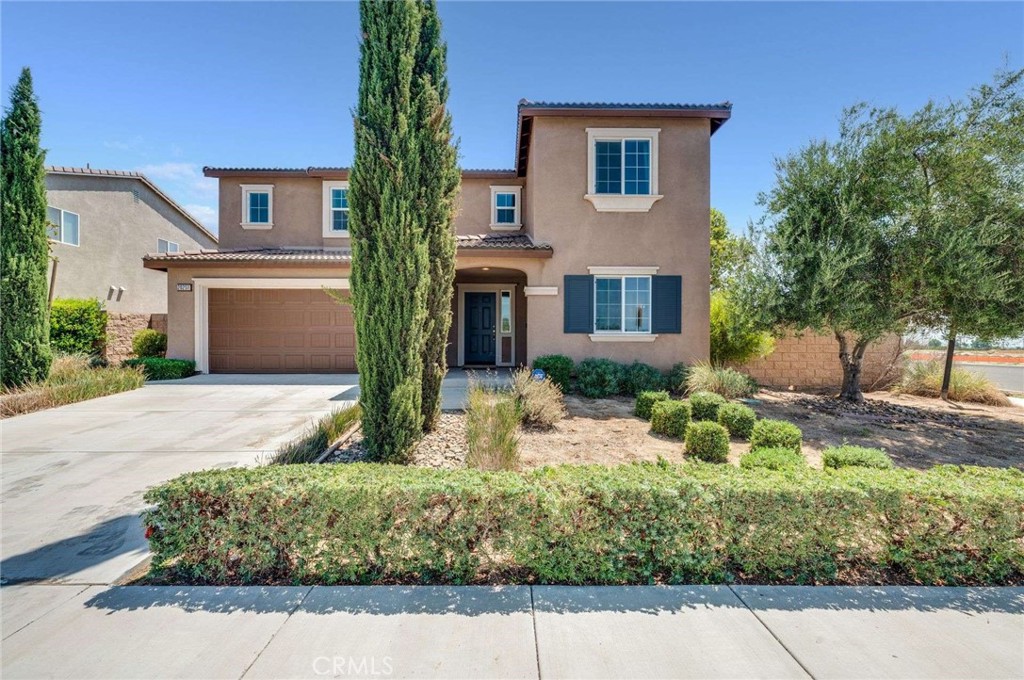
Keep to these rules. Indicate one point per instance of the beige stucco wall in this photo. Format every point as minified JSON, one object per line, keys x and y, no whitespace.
{"x":120,"y":220}
{"x":812,"y":361}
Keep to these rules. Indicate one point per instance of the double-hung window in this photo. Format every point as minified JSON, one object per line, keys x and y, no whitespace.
{"x":505,"y":208}
{"x":623,"y":169}
{"x":165,"y":246}
{"x":257,"y":206}
{"x":622,"y":304}
{"x":335,"y":209}
{"x":63,"y":226}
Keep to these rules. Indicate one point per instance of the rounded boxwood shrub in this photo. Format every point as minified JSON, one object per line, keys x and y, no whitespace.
{"x":769,"y":434}
{"x":836,"y":457}
{"x":705,"y":405}
{"x":596,"y":378}
{"x":708,"y":442}
{"x":149,"y":343}
{"x":774,"y":458}
{"x":645,"y":403}
{"x":78,"y":326}
{"x":670,"y":418}
{"x":640,"y":377}
{"x":738,"y":419}
{"x":558,"y":367}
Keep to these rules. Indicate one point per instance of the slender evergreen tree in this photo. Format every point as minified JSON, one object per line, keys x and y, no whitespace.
{"x":24,"y":249}
{"x":439,"y":185}
{"x":389,"y":252}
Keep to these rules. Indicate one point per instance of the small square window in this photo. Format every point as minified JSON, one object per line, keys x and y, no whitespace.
{"x":63,"y":225}
{"x":258,"y":206}
{"x":505,"y":207}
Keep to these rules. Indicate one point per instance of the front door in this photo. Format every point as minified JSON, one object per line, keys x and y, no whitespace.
{"x":480,"y":328}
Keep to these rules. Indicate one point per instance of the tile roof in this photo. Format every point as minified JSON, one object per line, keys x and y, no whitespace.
{"x":96,"y":172}
{"x":500,"y":242}
{"x":255,"y":255}
{"x":526,"y":103}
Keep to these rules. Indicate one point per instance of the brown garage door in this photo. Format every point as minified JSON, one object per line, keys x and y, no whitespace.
{"x":280,"y":331}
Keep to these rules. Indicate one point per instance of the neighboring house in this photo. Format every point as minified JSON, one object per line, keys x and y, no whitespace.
{"x":595,"y":245}
{"x":102,"y":223}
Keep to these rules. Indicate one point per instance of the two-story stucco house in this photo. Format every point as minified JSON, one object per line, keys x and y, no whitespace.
{"x":596,"y":244}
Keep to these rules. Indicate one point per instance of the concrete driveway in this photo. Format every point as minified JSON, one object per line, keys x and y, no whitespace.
{"x":73,"y":477}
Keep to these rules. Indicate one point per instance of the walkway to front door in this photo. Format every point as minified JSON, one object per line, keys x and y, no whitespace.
{"x":480,"y":328}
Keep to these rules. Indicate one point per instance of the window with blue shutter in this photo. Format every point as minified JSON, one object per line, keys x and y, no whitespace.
{"x":579,"y":303}
{"x":666,"y":304}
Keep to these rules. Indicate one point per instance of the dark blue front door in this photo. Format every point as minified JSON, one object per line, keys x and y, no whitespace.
{"x":479,"y":317}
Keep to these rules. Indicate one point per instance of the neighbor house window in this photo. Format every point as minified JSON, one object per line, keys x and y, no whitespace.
{"x":165,"y":246}
{"x":257,"y":206}
{"x":63,"y":225}
{"x":622,"y":169}
{"x":505,"y":204}
{"x":335,"y":209}
{"x":622,"y":304}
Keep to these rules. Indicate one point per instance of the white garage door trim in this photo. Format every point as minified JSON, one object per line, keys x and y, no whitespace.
{"x":202,"y":303}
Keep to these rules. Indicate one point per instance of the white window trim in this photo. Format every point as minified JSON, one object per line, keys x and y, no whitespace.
{"x":201,"y":292}
{"x":511,"y":189}
{"x":177,"y":246}
{"x":496,"y":288}
{"x":60,"y":227}
{"x":328,"y":210}
{"x":257,"y":188}
{"x":621,"y":334}
{"x":621,"y":202}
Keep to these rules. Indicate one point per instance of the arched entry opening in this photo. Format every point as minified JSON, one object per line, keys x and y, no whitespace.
{"x":488,"y":318}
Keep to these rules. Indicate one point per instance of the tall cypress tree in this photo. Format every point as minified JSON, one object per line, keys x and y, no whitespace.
{"x":439,"y":185}
{"x":389,"y":253}
{"x":24,"y":249}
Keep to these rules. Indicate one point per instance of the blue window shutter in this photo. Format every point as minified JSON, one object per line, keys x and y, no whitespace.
{"x":667,"y":304}
{"x":579,"y":303}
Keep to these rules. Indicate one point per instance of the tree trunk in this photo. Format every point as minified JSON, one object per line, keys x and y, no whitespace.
{"x":947,"y":370}
{"x":852,"y":363}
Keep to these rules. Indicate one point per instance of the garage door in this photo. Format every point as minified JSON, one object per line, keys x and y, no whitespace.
{"x":280,"y":331}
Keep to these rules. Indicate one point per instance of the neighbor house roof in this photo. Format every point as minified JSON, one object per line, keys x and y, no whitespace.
{"x":336,"y":173}
{"x":95,"y":172}
{"x":476,"y":244}
{"x":717,"y":114}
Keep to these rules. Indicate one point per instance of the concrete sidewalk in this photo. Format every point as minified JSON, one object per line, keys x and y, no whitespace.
{"x":511,"y":632}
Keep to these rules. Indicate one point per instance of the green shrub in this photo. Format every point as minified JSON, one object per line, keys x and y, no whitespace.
{"x":645,"y":403}
{"x":670,"y":418}
{"x":769,"y":434}
{"x":642,"y":523}
{"x":540,"y":401}
{"x":317,"y":438}
{"x":855,"y":456}
{"x":78,"y":326}
{"x":775,"y":458}
{"x":158,"y":368}
{"x":677,"y":378}
{"x":638,"y":377}
{"x":149,"y":343}
{"x":738,"y":419}
{"x":734,"y":336}
{"x":705,"y":405}
{"x":727,"y":382}
{"x":492,"y":422}
{"x":708,"y":442}
{"x":598,"y":378}
{"x":558,"y":367}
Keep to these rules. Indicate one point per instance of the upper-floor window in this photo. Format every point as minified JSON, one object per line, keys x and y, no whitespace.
{"x":623,"y":169}
{"x":165,"y":246}
{"x":257,"y":206}
{"x":63,"y":225}
{"x":505,"y":207}
{"x":622,"y":304}
{"x":336,"y":209}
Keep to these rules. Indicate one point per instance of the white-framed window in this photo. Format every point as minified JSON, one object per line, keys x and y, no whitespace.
{"x":622,"y":169}
{"x":335,"y":198}
{"x":257,"y":206}
{"x":506,"y":204}
{"x":64,"y":225}
{"x":622,"y":304}
{"x":165,"y":246}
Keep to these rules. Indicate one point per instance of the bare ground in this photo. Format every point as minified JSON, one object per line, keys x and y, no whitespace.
{"x":917,"y":432}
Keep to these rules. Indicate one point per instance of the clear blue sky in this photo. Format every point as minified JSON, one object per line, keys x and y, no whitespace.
{"x":170,"y":87}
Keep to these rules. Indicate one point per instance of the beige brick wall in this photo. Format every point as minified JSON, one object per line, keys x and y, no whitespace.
{"x":121,"y":328}
{"x":812,"y":361}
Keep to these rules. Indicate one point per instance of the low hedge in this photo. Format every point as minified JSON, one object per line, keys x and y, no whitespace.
{"x":670,"y":418}
{"x":777,"y":458}
{"x":640,"y":523}
{"x":769,"y":434}
{"x":705,"y":405}
{"x":599,"y":378}
{"x":558,"y":367}
{"x":737,"y":419}
{"x":639,"y":377}
{"x":158,"y":368}
{"x":645,"y":402}
{"x":855,"y":456}
{"x":708,"y":442}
